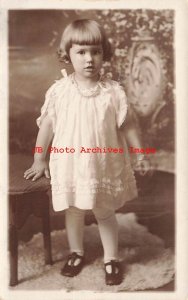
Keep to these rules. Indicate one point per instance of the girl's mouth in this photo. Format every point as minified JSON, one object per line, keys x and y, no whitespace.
{"x":89,"y":68}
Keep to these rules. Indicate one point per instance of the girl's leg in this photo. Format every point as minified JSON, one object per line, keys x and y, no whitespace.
{"x":74,"y":221}
{"x":108,"y":228}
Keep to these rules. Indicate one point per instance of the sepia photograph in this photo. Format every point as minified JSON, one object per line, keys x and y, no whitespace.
{"x":92,"y":122}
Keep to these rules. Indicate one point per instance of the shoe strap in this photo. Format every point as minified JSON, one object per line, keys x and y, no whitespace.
{"x":114,"y":264}
{"x":72,"y":257}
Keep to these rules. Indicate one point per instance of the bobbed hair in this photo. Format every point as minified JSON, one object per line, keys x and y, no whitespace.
{"x":83,"y":32}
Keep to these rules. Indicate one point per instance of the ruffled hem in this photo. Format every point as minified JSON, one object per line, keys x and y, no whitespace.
{"x":88,"y":201}
{"x":88,"y":190}
{"x":93,"y":188}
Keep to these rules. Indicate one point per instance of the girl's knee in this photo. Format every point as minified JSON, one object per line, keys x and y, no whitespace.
{"x":103,"y":213}
{"x":75,"y":211}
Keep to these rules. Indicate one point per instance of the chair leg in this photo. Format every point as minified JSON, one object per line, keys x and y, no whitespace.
{"x":46,"y":231}
{"x":13,"y":249}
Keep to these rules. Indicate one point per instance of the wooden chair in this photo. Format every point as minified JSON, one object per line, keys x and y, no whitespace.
{"x":26,"y":198}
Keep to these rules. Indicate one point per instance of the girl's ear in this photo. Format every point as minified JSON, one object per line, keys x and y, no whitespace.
{"x":63,"y":57}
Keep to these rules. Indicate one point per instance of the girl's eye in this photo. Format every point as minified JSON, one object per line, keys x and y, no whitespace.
{"x":94,"y":52}
{"x":97,"y":52}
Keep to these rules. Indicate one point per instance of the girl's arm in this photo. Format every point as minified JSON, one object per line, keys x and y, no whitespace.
{"x":40,"y":165}
{"x":133,"y":138}
{"x":132,"y":131}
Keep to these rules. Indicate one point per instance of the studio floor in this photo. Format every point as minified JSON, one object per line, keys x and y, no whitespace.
{"x":154,"y":211}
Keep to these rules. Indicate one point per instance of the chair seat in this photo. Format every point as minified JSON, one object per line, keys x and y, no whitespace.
{"x":18,"y":164}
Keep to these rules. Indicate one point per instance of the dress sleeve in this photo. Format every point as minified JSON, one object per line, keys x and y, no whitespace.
{"x":121,"y":105}
{"x":48,"y":107}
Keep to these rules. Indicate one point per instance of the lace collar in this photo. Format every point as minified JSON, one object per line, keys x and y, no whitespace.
{"x":94,"y":91}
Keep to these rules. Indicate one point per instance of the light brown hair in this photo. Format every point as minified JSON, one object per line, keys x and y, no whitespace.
{"x":83,"y":32}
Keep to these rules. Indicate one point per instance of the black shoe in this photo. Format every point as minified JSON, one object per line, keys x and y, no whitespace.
{"x":69,"y":268}
{"x":115,"y":277}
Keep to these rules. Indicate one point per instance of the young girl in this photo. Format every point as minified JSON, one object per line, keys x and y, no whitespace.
{"x":84,"y":114}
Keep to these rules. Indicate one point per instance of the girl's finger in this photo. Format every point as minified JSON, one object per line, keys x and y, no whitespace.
{"x":37,"y":176}
{"x":30,"y":175}
{"x":29,"y":172}
{"x":142,"y":173}
{"x":47,"y":173}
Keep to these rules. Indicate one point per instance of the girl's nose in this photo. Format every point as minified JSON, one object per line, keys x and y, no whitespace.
{"x":89,"y":57}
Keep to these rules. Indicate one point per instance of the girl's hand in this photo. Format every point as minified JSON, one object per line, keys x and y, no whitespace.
{"x":37,"y":170}
{"x":143,"y":167}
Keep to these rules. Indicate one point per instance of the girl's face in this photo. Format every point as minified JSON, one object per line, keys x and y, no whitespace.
{"x":86,"y":60}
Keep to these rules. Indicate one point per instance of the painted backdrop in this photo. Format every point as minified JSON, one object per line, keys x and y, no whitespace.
{"x":143,"y":62}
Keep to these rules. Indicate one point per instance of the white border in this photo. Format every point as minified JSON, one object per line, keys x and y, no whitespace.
{"x":95,"y":4}
{"x":181,"y":69}
{"x":3,"y":149}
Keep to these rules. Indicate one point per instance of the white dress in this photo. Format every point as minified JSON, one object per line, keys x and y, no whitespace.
{"x":89,"y":119}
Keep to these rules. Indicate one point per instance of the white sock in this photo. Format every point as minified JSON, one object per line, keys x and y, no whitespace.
{"x":74,"y":221}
